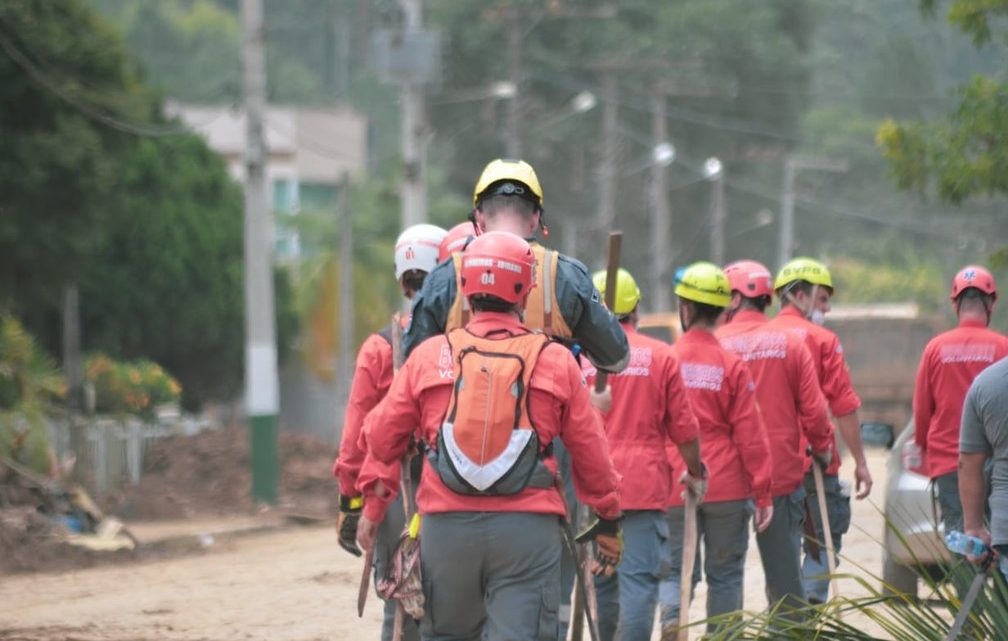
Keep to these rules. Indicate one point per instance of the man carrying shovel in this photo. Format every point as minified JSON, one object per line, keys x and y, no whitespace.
{"x":734,"y":443}
{"x":794,"y":412}
{"x":487,"y":402}
{"x":649,"y":409}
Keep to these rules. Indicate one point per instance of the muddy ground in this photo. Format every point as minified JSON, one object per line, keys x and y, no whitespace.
{"x":294,"y":584}
{"x":185,"y":477}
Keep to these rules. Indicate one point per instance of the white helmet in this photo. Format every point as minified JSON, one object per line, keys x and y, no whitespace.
{"x":417,"y":248}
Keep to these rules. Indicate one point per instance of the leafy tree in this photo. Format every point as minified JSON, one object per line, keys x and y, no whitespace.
{"x":64,"y":76}
{"x":165,"y":282}
{"x":966,"y":154}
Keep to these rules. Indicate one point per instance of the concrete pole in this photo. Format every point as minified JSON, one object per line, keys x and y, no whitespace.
{"x":785,"y":232}
{"x":718,"y":216}
{"x":346,"y":290}
{"x":513,"y":142}
{"x":607,"y":167}
{"x":659,"y":217}
{"x":414,"y":152}
{"x":73,"y":366}
{"x":262,"y":393}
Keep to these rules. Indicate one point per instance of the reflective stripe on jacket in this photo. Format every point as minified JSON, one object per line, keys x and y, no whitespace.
{"x":733,"y":440}
{"x":787,"y":390}
{"x":649,"y":409}
{"x":947,"y":367}
{"x":558,"y":402}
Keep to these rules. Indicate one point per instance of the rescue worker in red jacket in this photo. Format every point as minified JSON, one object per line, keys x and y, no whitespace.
{"x":564,"y":304}
{"x":793,"y":410}
{"x":490,"y":534}
{"x":805,"y":288}
{"x":735,"y":449}
{"x":416,"y":254}
{"x":948,"y":366}
{"x":649,"y":408}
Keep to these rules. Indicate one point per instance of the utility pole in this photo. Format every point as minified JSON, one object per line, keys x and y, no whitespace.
{"x":659,"y":204}
{"x":73,"y":368}
{"x":346,"y":294}
{"x":792,"y":164}
{"x":414,"y":152}
{"x":262,"y":394}
{"x":607,"y":167}
{"x":714,"y":171}
{"x":513,"y":144}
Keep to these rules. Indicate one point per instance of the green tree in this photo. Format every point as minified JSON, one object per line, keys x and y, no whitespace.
{"x":165,"y":281}
{"x":64,"y":79}
{"x":966,"y":153}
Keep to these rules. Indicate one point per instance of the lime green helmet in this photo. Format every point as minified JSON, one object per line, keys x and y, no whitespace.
{"x":627,"y":292}
{"x":706,"y":283}
{"x":806,"y":269}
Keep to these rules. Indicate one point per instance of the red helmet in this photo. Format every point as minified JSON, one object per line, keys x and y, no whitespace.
{"x":749,"y":278}
{"x":976,"y":277}
{"x":498,"y":264}
{"x":456,"y":240}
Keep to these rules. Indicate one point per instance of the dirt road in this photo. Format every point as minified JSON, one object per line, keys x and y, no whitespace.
{"x":290,"y":585}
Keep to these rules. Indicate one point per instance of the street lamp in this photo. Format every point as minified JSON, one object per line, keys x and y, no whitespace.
{"x":663,"y":154}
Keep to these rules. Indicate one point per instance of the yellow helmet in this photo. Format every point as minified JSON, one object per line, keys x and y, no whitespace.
{"x":704,"y":282}
{"x":503,"y":169}
{"x":806,"y":269}
{"x":627,"y":292}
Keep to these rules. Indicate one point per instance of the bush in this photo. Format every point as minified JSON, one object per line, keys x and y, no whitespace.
{"x":136,"y":387}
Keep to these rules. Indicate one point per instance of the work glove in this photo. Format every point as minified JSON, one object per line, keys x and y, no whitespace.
{"x":695,"y":485}
{"x":602,"y":401}
{"x":346,"y":527}
{"x":608,"y":537}
{"x":823,"y":458}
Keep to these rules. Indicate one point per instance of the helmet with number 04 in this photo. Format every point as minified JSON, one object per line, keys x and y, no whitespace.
{"x":417,"y":249}
{"x":806,"y":269}
{"x":973,"y":276}
{"x":498,"y":264}
{"x":749,"y":278}
{"x":456,"y":239}
{"x":509,"y":178}
{"x":627,"y":293}
{"x":704,"y":283}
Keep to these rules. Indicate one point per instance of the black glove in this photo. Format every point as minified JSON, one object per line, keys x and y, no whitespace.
{"x":349,"y":516}
{"x":608,"y":537}
{"x":823,"y":458}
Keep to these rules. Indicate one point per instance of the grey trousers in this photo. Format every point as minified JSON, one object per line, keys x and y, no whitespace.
{"x":490,"y":576}
{"x":780,"y":547}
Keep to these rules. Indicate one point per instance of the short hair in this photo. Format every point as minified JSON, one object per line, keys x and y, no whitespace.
{"x":413,"y":279}
{"x":500,"y":203}
{"x":973,"y":298}
{"x":702,"y":312}
{"x":485,"y":303}
{"x":759,"y":303}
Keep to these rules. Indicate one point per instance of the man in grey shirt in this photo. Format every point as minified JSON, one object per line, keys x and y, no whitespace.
{"x":984,"y":435}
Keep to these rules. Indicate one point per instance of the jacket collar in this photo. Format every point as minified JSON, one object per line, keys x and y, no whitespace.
{"x":484,"y":323}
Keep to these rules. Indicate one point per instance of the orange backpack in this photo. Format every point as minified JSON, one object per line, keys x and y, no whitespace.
{"x":487,"y":444}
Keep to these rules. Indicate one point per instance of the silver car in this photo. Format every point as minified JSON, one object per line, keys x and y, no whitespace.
{"x":914,"y":537}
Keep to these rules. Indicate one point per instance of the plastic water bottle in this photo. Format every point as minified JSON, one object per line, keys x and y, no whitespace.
{"x":964,"y":544}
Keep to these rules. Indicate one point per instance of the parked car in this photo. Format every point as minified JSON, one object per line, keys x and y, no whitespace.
{"x":914,"y":538}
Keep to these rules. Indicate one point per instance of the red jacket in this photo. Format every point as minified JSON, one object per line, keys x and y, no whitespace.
{"x":649,"y":409}
{"x":371,"y":381}
{"x":559,"y":406}
{"x":787,"y":390}
{"x":831,"y":368}
{"x":733,"y":440}
{"x":948,"y":366}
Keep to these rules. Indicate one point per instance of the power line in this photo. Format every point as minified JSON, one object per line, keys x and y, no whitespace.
{"x":112,"y":122}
